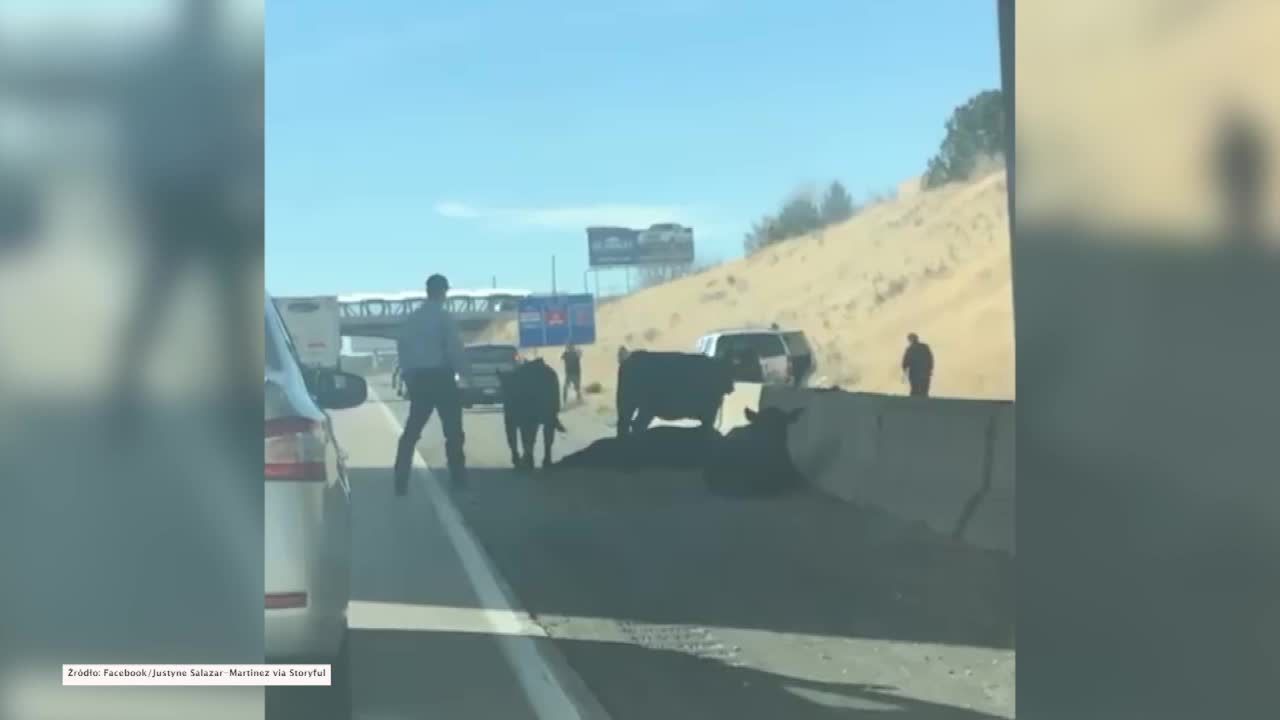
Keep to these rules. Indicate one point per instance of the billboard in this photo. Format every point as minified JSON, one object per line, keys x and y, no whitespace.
{"x":553,"y":320}
{"x":662,"y":244}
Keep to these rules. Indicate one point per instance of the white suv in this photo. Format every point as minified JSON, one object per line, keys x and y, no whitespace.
{"x":785,"y":355}
{"x":307,"y":509}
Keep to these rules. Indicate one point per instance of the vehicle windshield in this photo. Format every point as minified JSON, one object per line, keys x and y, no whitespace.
{"x":797,"y":343}
{"x":273,"y":324}
{"x":495,"y":354}
{"x":766,"y":345}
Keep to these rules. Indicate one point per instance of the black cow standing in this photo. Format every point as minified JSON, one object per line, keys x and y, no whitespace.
{"x":659,"y":448}
{"x":753,"y":460}
{"x":530,"y":399}
{"x":671,"y":386}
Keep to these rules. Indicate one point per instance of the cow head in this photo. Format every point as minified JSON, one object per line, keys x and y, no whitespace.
{"x":504,"y":379}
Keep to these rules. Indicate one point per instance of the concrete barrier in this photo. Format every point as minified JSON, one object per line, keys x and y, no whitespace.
{"x":945,"y":463}
{"x":992,"y":524}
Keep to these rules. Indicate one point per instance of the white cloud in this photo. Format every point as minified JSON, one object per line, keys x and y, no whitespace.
{"x":573,"y":217}
{"x":456,"y":210}
{"x":580,"y":217}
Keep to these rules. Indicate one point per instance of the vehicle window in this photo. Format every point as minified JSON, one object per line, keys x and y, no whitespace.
{"x":492,"y":354}
{"x":275,"y":326}
{"x":274,"y":361}
{"x":766,"y":345}
{"x":728,"y":345}
{"x":797,"y":343}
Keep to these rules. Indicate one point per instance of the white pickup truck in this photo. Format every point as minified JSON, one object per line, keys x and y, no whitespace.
{"x":785,"y":355}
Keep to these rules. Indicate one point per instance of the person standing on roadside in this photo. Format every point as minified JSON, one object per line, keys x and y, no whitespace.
{"x":431,"y":362}
{"x":917,"y":365}
{"x":572,"y":358}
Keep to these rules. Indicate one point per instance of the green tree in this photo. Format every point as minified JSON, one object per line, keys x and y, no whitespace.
{"x":766,"y":231}
{"x":975,"y":132}
{"x":837,"y":205}
{"x":799,"y":215}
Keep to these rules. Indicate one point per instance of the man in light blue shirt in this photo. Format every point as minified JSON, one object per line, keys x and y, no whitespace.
{"x":432,"y":359}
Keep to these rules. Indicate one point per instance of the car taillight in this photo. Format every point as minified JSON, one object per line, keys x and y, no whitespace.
{"x":294,"y":450}
{"x":285,"y":600}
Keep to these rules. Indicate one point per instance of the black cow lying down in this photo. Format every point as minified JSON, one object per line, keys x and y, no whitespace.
{"x":671,"y":386}
{"x":659,"y":448}
{"x":530,"y":399}
{"x":752,"y":460}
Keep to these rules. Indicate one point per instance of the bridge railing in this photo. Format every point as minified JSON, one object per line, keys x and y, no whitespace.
{"x":374,"y":309}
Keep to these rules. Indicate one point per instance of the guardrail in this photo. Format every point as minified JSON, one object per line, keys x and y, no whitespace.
{"x":946,"y":463}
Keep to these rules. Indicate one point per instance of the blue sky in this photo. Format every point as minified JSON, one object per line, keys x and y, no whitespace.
{"x":478,"y":139}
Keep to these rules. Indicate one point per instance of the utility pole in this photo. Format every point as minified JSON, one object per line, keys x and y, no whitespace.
{"x":553,"y":274}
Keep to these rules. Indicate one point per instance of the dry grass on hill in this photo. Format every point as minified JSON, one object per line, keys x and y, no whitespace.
{"x":936,"y":263}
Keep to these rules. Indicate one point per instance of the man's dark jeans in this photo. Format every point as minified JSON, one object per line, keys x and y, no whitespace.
{"x":920,"y":386}
{"x":431,"y":391}
{"x":574,"y":379}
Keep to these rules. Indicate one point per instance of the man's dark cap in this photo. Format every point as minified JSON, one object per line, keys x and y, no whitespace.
{"x":437,"y":282}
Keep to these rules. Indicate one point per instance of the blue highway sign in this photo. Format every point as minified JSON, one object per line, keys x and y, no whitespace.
{"x":555,"y":320}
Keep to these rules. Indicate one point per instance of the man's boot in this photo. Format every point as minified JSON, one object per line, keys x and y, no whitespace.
{"x":402,"y":470}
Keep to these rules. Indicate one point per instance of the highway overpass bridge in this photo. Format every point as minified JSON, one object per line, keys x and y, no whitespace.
{"x":377,"y":315}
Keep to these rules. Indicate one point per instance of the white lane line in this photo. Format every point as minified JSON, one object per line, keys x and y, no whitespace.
{"x":515,"y":631}
{"x":371,"y":615}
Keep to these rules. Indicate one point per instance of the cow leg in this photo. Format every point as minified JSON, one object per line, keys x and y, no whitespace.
{"x":511,"y":429}
{"x":548,"y":440}
{"x":528,"y":438}
{"x":643,"y":420}
{"x":624,"y":419}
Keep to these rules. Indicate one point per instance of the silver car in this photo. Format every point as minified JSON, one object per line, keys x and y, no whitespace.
{"x":307,"y":506}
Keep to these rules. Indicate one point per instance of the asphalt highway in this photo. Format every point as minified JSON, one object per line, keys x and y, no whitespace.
{"x":641,"y":596}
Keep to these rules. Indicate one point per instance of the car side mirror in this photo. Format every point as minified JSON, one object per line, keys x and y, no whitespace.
{"x":337,"y":390}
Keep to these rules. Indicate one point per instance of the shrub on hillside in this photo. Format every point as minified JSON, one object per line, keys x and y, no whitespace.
{"x":975,"y":136}
{"x":837,"y":205}
{"x":800,"y":215}
{"x":651,"y":275}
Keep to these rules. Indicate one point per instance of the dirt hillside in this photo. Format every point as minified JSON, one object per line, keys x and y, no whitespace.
{"x":1120,"y":106}
{"x":936,"y":263}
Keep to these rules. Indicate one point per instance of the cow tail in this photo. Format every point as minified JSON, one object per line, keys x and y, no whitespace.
{"x":560,"y":426}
